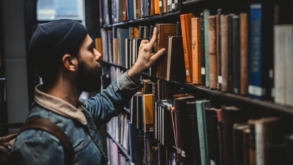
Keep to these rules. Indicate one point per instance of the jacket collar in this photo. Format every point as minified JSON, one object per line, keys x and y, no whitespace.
{"x":59,"y":106}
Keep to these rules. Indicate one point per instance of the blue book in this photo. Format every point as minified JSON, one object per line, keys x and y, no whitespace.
{"x":206,"y":14}
{"x":261,"y":52}
{"x":122,"y":34}
{"x":129,"y":10}
{"x":201,"y":105}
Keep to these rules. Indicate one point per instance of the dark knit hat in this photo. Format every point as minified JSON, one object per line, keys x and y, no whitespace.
{"x":52,"y":40}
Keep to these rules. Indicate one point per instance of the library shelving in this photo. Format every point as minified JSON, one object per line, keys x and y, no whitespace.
{"x":231,"y":106}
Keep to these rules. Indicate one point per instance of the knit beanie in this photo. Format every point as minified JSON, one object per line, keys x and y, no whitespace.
{"x":52,"y":40}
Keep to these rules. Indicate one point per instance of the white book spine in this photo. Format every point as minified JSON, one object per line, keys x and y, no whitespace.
{"x":259,"y":144}
{"x":288,"y":65}
{"x":279,"y":67}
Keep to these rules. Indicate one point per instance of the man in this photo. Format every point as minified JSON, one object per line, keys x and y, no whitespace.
{"x":64,"y":56}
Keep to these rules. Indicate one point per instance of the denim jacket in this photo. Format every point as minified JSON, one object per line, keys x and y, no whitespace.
{"x":79,"y":124}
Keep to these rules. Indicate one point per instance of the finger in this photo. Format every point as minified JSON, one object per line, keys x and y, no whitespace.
{"x":154,"y":37}
{"x":158,"y":54}
{"x":144,"y":42}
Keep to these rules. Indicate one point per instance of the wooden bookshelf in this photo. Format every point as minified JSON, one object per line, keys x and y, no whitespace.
{"x":121,"y":148}
{"x":255,"y":109}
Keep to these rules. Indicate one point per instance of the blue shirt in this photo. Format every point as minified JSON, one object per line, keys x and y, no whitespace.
{"x":79,"y":124}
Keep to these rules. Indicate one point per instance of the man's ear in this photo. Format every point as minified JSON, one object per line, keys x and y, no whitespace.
{"x":69,"y":62}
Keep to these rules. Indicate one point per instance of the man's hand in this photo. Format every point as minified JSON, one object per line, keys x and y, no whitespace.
{"x":145,"y":57}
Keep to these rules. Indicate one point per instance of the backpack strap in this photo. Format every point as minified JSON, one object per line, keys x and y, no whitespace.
{"x":50,"y":127}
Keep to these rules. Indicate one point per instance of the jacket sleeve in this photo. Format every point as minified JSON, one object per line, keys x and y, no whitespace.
{"x":37,"y":150}
{"x":111,"y":100}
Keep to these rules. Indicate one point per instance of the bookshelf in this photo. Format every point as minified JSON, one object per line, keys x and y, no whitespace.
{"x":215,"y":111}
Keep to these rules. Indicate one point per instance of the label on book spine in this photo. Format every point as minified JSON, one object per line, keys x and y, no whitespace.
{"x":203,"y":71}
{"x":183,"y":153}
{"x":255,"y":90}
{"x":187,"y":73}
{"x":220,"y":79}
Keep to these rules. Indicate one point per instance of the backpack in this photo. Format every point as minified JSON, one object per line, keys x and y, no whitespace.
{"x":7,"y":141}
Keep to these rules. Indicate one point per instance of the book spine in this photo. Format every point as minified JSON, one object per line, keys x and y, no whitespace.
{"x":207,"y":56}
{"x":219,"y":64}
{"x":184,"y":29}
{"x":212,"y":52}
{"x":230,"y":54}
{"x":236,"y":53}
{"x":279,"y":49}
{"x":289,"y":66}
{"x":244,"y":54}
{"x":202,"y":53}
{"x":195,"y":55}
{"x":202,"y":131}
{"x":224,"y":52}
{"x":256,"y":90}
{"x":157,"y":7}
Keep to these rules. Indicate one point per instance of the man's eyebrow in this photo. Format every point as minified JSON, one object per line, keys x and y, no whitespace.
{"x":91,"y":45}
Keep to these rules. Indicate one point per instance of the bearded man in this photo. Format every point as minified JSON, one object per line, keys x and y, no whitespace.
{"x":64,"y":56}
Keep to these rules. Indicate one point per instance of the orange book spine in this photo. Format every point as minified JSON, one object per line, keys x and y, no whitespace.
{"x":243,"y":54}
{"x":196,"y":59}
{"x":157,"y":7}
{"x":99,"y":46}
{"x":186,"y":41}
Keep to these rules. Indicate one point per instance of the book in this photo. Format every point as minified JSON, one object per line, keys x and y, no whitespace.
{"x":261,"y":45}
{"x":288,"y":65}
{"x":269,"y":139}
{"x":218,"y":41}
{"x":213,"y":77}
{"x":163,"y":32}
{"x":226,"y":59}
{"x":196,"y":50}
{"x":244,"y":77}
{"x":236,"y":53}
{"x":175,"y":61}
{"x":212,"y":132}
{"x":122,"y":34}
{"x":206,"y":14}
{"x":279,"y":61}
{"x":202,"y":38}
{"x":201,"y":105}
{"x":115,"y":46}
{"x":238,"y":144}
{"x":185,"y":21}
{"x":194,"y":135}
{"x":182,"y":143}
{"x":148,"y":120}
{"x":230,"y":116}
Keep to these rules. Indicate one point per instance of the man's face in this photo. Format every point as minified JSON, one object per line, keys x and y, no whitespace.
{"x":89,"y":67}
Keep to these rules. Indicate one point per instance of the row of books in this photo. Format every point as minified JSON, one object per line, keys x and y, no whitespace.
{"x":115,"y":11}
{"x":114,"y":155}
{"x":118,"y":128}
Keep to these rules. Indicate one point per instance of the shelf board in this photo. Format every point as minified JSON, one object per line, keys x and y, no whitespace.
{"x":121,"y":148}
{"x":108,"y":63}
{"x":126,"y":110}
{"x":193,"y":2}
{"x":2,"y":78}
{"x":145,"y":19}
{"x":243,"y":99}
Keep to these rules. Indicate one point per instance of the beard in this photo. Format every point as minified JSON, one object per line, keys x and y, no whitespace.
{"x":89,"y":79}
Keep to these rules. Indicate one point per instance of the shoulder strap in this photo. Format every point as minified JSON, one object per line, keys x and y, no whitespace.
{"x":47,"y":125}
